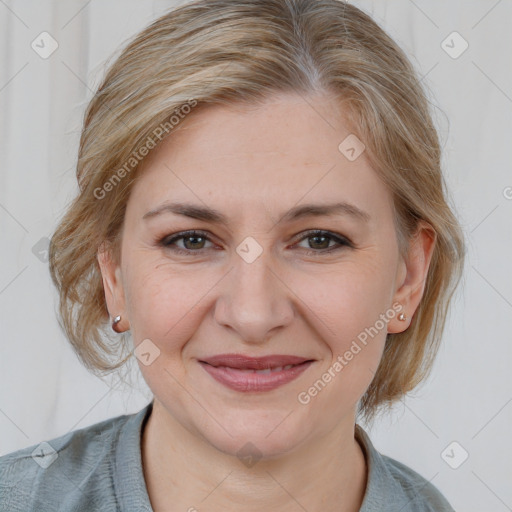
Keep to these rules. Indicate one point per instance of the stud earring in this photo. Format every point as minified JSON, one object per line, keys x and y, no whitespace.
{"x":402,"y":317}
{"x":116,"y":320}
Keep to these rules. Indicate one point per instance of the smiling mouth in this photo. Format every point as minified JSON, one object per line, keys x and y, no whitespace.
{"x":243,"y":362}
{"x":248,"y":374}
{"x":264,"y":371}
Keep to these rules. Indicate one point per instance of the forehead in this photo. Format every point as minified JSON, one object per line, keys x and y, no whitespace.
{"x":248,"y":158}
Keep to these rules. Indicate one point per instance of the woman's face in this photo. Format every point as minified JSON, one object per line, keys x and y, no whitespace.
{"x":252,"y":281}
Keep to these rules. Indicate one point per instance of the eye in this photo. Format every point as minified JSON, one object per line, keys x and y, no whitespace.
{"x":194,"y":241}
{"x":321,"y":240}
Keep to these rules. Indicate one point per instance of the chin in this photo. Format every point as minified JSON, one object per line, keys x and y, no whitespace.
{"x":252,"y":449}
{"x":252,"y":436}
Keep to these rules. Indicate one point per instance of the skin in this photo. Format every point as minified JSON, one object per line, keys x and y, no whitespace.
{"x":253,"y":164}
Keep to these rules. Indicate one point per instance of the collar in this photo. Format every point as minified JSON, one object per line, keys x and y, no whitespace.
{"x":380,"y":484}
{"x":131,"y":488}
{"x":129,"y":483}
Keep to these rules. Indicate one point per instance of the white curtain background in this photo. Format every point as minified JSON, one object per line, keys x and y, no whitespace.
{"x":45,"y":392}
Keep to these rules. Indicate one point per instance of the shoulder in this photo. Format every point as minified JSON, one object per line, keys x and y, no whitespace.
{"x":393,"y":486}
{"x":421,"y":494}
{"x":75,"y":468}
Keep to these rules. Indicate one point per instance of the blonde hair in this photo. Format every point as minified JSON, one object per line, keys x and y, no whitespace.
{"x":226,"y":51}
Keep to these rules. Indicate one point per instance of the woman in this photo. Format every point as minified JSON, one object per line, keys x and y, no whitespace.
{"x":262,"y":211}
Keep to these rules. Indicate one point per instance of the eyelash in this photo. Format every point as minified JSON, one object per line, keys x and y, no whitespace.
{"x":340,"y":240}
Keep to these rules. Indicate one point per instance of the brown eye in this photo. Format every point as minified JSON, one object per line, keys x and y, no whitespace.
{"x":319,"y":241}
{"x":193,"y":241}
{"x":196,"y":242}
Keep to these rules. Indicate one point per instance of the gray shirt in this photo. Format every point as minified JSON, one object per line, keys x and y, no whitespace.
{"x":100,"y":468}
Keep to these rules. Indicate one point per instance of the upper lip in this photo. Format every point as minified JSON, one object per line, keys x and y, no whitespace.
{"x":243,"y":362}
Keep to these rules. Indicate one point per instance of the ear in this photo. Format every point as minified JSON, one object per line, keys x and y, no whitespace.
{"x":412,"y":275}
{"x":113,"y":286}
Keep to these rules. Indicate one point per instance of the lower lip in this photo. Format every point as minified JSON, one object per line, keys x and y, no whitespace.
{"x":249,"y":382}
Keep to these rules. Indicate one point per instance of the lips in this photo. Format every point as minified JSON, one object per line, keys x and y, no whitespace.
{"x":251,"y":374}
{"x":241,"y":362}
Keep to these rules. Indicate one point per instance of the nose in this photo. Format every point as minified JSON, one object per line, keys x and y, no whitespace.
{"x":255,"y":300}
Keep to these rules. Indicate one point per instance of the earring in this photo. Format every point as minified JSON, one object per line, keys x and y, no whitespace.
{"x":116,"y":320}
{"x":402,"y":317}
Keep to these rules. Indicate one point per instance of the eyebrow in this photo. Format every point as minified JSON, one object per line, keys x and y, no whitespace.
{"x":214,"y":216}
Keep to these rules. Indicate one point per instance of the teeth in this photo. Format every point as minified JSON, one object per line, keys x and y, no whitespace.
{"x":265,"y":371}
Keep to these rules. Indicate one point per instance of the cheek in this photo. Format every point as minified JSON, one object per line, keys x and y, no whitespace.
{"x":346,"y":299}
{"x":166,"y":303}
{"x":347,"y":316}
{"x":349,"y":309}
{"x":164,"y":309}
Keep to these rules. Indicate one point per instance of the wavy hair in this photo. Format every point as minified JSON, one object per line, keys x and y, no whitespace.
{"x":225,"y":51}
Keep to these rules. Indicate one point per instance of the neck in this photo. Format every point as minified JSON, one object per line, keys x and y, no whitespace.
{"x":324,"y":474}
